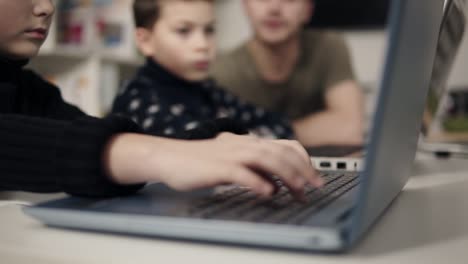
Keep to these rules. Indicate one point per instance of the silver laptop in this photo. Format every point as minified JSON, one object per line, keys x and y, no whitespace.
{"x":434,"y":137}
{"x":337,"y":215}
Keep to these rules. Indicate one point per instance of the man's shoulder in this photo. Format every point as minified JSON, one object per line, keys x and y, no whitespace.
{"x":323,"y":43}
{"x":323,"y":38}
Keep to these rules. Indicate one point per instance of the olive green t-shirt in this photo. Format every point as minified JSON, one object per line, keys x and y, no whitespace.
{"x":323,"y":62}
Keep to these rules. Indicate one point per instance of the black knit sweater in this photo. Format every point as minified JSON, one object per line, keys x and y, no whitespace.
{"x":47,"y":145}
{"x":164,"y":104}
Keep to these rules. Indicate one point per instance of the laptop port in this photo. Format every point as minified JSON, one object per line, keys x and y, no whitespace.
{"x":341,"y":165}
{"x":325,"y":164}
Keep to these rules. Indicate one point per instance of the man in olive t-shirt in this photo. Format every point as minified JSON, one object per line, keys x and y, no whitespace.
{"x":305,"y":74}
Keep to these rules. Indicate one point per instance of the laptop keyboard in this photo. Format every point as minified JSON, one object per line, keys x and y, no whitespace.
{"x":238,"y":203}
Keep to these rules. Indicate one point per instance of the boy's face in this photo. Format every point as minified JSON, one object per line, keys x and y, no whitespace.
{"x":276,"y":21}
{"x":182,"y":39}
{"x":24,"y":25}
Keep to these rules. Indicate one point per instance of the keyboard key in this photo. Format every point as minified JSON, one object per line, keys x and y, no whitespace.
{"x":238,"y":203}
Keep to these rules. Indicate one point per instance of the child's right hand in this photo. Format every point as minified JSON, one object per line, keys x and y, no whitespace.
{"x":188,"y":165}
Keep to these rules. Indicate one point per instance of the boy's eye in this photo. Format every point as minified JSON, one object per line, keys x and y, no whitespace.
{"x":183,"y":31}
{"x":210,"y":30}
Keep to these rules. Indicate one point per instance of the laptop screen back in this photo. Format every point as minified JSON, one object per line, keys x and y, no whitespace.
{"x":450,"y":38}
{"x":413,"y":33}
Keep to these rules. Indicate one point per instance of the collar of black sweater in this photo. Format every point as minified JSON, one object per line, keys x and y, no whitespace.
{"x":10,"y":69}
{"x":159,"y":74}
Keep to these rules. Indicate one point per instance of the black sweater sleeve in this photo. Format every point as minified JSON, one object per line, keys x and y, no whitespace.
{"x":50,"y":146}
{"x":40,"y":98}
{"x":46,"y":155}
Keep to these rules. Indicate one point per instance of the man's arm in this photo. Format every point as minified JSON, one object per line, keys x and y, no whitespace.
{"x":255,"y":119}
{"x":340,"y":123}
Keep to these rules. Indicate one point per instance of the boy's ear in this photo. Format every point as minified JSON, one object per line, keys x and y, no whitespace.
{"x":309,"y":11}
{"x":143,"y":41}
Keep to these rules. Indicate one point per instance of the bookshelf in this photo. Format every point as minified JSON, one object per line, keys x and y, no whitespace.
{"x":90,"y":50}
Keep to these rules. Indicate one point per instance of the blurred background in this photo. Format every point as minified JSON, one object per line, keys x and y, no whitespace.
{"x":90,"y":50}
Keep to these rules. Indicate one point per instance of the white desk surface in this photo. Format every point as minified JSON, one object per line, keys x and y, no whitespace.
{"x":428,"y":223}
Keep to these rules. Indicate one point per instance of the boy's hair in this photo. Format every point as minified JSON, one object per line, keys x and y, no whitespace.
{"x":146,"y":12}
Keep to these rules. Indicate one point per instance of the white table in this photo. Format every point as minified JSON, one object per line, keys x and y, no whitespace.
{"x":428,"y":223}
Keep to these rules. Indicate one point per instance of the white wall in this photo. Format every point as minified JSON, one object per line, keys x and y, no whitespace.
{"x":367,"y":47}
{"x":232,"y":25}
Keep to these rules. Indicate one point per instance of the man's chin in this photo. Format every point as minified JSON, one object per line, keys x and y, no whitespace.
{"x":273,"y":39}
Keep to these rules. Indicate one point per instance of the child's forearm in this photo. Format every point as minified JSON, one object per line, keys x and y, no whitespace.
{"x":188,"y":165}
{"x":127,"y":155}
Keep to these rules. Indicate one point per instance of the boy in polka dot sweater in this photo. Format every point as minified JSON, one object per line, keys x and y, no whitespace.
{"x":172,"y":93}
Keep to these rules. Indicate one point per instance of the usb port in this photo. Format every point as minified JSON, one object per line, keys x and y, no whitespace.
{"x":325,"y":164}
{"x":341,"y":165}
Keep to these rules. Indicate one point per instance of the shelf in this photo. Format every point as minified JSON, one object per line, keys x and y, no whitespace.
{"x":90,"y":48}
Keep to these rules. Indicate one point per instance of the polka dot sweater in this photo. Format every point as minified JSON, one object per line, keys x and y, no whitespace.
{"x":166,"y":105}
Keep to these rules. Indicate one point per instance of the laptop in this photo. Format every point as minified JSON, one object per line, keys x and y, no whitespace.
{"x":335,"y":216}
{"x":434,"y":138}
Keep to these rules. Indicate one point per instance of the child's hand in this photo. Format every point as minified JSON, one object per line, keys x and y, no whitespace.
{"x":243,"y":160}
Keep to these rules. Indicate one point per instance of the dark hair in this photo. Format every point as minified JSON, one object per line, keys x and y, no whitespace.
{"x":146,"y":12}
